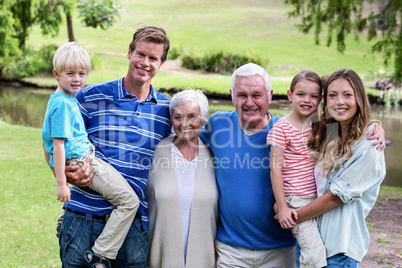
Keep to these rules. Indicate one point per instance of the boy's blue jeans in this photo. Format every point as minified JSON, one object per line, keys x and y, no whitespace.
{"x":337,"y":261}
{"x":78,"y":233}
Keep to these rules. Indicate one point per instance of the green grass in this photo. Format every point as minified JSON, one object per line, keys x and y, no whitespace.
{"x":28,"y":200}
{"x":220,"y":25}
{"x":391,"y":192}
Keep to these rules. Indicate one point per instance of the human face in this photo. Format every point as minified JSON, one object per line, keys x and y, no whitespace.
{"x":144,"y":62}
{"x":341,"y":101}
{"x":71,"y":80}
{"x":305,"y":98}
{"x":251,"y":101}
{"x":187,"y":121}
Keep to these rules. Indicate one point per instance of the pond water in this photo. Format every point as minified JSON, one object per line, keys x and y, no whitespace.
{"x":27,"y":106}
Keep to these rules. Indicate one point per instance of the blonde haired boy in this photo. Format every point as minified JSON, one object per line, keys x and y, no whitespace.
{"x":66,"y":142}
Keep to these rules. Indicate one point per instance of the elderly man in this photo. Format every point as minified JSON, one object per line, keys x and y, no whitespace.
{"x":125,"y":120}
{"x":248,"y":235}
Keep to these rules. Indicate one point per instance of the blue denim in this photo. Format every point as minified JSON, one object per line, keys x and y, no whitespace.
{"x":341,"y":261}
{"x":78,"y":234}
{"x":337,"y":261}
{"x":297,"y":255}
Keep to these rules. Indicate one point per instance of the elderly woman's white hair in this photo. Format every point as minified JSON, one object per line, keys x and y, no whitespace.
{"x":190,"y":95}
{"x":251,"y":69}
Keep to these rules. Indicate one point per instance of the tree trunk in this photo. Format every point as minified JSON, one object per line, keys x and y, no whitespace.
{"x":384,"y":11}
{"x":70,"y":30}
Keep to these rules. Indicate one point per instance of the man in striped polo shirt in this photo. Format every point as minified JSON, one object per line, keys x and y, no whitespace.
{"x":125,"y":120}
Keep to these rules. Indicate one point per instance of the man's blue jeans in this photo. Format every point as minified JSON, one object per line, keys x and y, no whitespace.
{"x":78,"y":234}
{"x":337,"y":261}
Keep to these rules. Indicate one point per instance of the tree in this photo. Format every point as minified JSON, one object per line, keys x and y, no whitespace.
{"x":18,"y":16}
{"x":93,"y":13}
{"x":347,"y":16}
{"x":8,"y":43}
{"x":26,"y":13}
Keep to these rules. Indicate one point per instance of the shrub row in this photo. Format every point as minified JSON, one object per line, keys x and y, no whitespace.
{"x":219,"y":62}
{"x":31,"y":62}
{"x":34,"y":62}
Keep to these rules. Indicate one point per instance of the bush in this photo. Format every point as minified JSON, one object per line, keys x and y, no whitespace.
{"x":34,"y":62}
{"x":174,"y":53}
{"x":220,"y":62}
{"x":30,"y":63}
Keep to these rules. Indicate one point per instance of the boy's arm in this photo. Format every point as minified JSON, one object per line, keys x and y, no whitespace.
{"x":63,"y":191}
{"x":47,"y":157}
{"x":75,"y":177}
{"x":285,"y":213}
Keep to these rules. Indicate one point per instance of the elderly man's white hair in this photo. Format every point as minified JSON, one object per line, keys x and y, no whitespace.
{"x":251,"y":69}
{"x":190,"y":95}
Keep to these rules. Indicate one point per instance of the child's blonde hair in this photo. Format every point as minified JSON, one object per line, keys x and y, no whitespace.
{"x":71,"y":55}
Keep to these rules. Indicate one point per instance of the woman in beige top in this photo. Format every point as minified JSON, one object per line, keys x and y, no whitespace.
{"x":181,"y":193}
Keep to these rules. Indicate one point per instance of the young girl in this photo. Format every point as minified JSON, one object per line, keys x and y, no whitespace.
{"x":292,"y":166}
{"x":353,"y":169}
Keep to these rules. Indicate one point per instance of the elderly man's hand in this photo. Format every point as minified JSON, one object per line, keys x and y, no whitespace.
{"x":81,"y":177}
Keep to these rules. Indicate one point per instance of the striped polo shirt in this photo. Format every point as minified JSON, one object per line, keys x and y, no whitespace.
{"x":298,"y":163}
{"x":125,"y":133}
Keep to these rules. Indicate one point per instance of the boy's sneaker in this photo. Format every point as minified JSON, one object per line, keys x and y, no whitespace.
{"x":95,"y":260}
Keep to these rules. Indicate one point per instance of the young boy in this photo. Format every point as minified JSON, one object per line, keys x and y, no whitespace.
{"x":66,"y":140}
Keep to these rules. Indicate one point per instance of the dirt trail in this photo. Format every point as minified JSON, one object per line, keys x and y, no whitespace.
{"x":173,"y":66}
{"x":385,"y":248}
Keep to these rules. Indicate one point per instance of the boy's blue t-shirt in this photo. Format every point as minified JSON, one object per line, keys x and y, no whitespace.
{"x":63,"y":119}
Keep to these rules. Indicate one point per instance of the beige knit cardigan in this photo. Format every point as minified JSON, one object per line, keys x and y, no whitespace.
{"x":165,"y":231}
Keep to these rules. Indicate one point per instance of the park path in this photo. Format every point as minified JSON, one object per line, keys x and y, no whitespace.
{"x":173,"y":66}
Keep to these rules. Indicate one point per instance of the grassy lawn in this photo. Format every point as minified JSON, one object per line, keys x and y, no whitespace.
{"x":27,"y":201}
{"x":220,"y":25}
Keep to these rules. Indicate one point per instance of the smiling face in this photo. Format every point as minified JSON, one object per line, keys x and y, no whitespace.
{"x":341,"y":101}
{"x":144,"y":62}
{"x":251,"y":101}
{"x":305,"y":97}
{"x":187,"y":122}
{"x":71,"y":81}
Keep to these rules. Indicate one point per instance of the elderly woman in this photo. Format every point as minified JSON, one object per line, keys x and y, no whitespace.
{"x":182,"y":194}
